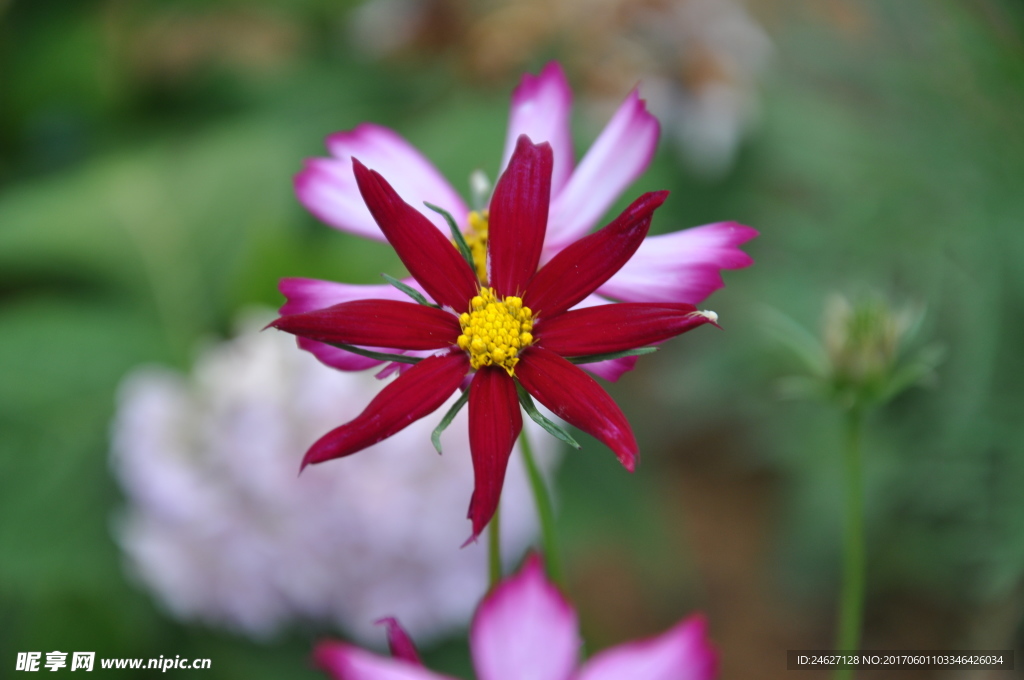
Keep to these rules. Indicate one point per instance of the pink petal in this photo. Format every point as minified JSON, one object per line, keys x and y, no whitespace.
{"x":399,"y":642}
{"x":619,"y":155}
{"x":576,"y":398}
{"x":306,"y":295}
{"x":345,"y":662}
{"x":683,"y":266}
{"x":540,"y":110}
{"x":494,"y":423}
{"x":580,"y":268}
{"x":519,"y":218}
{"x":682,"y":653}
{"x":525,"y":629}
{"x":377,"y":323}
{"x":414,"y":394}
{"x":428,"y":255}
{"x":613,"y":369}
{"x":328,"y":190}
{"x":335,"y":357}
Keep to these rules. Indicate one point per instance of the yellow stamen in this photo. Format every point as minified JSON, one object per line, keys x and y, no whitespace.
{"x":476,"y":239}
{"x":495,"y":332}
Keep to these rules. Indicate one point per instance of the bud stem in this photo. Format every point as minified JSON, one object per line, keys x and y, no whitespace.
{"x":494,"y":547}
{"x":544,"y":511}
{"x":851,"y":610}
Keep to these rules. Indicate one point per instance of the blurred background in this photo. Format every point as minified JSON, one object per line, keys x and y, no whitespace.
{"x":146,"y":156}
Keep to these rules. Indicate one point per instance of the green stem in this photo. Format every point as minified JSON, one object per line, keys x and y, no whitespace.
{"x":851,"y":609}
{"x":494,"y":547}
{"x":545,"y":511}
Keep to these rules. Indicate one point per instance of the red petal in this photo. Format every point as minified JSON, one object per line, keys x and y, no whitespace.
{"x":377,"y":323}
{"x":399,"y":642}
{"x":414,"y":394}
{"x":426,"y":253}
{"x":576,"y":398}
{"x":615,"y":328}
{"x":494,"y":423}
{"x":579,"y":269}
{"x":519,"y":217}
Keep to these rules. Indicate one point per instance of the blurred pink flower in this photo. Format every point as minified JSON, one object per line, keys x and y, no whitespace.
{"x":680,"y":267}
{"x":526,"y":629}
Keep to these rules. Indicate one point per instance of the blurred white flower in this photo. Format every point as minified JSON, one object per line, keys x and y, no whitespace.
{"x":223,"y":529}
{"x":698,"y":61}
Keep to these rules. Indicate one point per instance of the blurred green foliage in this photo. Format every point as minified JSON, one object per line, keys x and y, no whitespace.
{"x":145,"y":196}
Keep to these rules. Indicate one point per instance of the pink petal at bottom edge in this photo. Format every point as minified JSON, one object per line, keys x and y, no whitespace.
{"x":525,"y":629}
{"x":682,"y":653}
{"x":345,"y":662}
{"x":399,"y":642}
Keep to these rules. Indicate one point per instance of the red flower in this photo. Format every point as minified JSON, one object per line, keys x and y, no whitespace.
{"x":518,"y":329}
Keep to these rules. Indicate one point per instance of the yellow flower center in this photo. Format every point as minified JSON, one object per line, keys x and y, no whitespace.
{"x":476,"y":239}
{"x":496,"y":331}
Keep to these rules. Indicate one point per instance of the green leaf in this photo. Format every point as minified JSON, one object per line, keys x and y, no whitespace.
{"x":531,"y":410}
{"x":591,"y":358}
{"x":435,"y":436}
{"x":460,"y":240}
{"x":382,"y":356}
{"x":797,"y":340}
{"x":411,"y":292}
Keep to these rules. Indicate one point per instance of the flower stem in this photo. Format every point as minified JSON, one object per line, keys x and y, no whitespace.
{"x":545,"y":511}
{"x":494,"y":547}
{"x":851,"y":610}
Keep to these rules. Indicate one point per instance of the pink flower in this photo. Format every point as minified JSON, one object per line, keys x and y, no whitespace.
{"x":681,"y":267}
{"x":525,"y":630}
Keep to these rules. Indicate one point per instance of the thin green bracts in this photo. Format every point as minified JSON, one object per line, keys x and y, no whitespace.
{"x":380,"y":356}
{"x":591,"y":358}
{"x":410,"y":291}
{"x":460,"y":240}
{"x":435,"y":436}
{"x":545,"y":511}
{"x":494,"y":547}
{"x":531,"y":410}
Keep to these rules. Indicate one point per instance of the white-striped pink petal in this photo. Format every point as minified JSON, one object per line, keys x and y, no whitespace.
{"x":613,"y":369}
{"x":682,"y":653}
{"x":306,"y":295}
{"x":327,"y":187}
{"x":540,"y":110}
{"x":344,"y":662}
{"x":525,"y":630}
{"x":620,"y":154}
{"x":684,"y":266}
